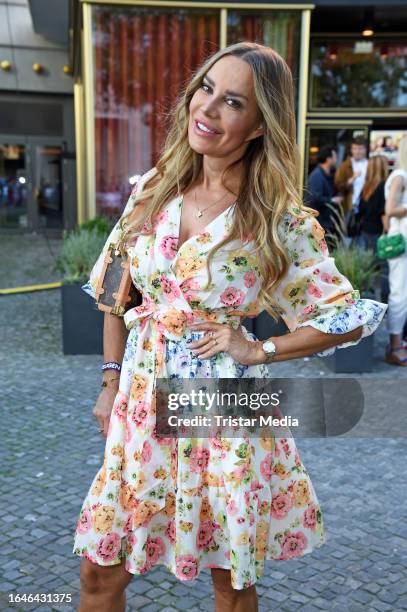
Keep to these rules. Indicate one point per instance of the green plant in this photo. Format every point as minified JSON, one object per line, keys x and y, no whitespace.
{"x":359,"y":265}
{"x":101,"y":224}
{"x":78,"y":254}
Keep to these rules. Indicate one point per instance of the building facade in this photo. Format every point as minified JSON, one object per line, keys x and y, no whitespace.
{"x":37,"y":145}
{"x":132,"y":58}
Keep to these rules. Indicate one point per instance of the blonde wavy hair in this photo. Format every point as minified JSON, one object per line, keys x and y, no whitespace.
{"x":377,"y":171}
{"x":270,"y":184}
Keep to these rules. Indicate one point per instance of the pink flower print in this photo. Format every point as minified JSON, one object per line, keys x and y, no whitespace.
{"x":128,"y":526}
{"x":146,"y":453}
{"x":162,"y":217}
{"x":232,"y":296}
{"x":170,"y":532}
{"x":84,"y":522}
{"x":297,"y":458}
{"x":326,"y":278}
{"x":140,"y":413}
{"x":170,"y":288}
{"x":281,"y":504}
{"x":199,"y":459}
{"x":132,"y":539}
{"x":265,"y":467}
{"x":310,"y":517}
{"x":314,"y":290}
{"x":256,"y":486}
{"x":293,"y":545}
{"x":109,"y":547}
{"x":232,"y":507}
{"x":168,"y":246}
{"x":309,"y":309}
{"x":249,"y":278}
{"x":204,"y":537}
{"x":240,"y":520}
{"x":189,"y":287}
{"x":186,"y":567}
{"x":120,"y":410}
{"x":155,"y":547}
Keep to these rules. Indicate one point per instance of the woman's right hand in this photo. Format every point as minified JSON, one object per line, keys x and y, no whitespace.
{"x":104,"y":405}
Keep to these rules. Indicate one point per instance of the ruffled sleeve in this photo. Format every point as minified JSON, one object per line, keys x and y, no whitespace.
{"x":90,"y":286}
{"x":314,"y":292}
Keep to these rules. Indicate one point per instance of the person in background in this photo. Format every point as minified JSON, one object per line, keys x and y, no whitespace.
{"x":320,"y":188}
{"x":350,"y":176}
{"x":396,"y":209}
{"x":372,"y":201}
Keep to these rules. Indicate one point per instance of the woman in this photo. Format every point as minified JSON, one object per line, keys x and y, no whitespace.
{"x":396,"y":210}
{"x":372,"y":201}
{"x":224,"y":194}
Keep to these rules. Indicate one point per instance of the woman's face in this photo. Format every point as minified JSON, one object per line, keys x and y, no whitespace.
{"x":224,"y":115}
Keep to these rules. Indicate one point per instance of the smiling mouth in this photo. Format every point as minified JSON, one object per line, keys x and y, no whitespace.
{"x":202,"y":127}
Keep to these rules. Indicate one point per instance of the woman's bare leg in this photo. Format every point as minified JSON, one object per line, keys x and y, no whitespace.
{"x":228,"y":599}
{"x":103,"y":587}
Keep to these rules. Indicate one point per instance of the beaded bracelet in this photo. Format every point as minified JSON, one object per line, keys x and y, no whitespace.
{"x":111,"y":365}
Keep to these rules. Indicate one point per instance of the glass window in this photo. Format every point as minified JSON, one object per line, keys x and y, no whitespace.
{"x":280,"y":30}
{"x":358,"y":74}
{"x":337,"y":137}
{"x":13,"y":185}
{"x":143,"y":57}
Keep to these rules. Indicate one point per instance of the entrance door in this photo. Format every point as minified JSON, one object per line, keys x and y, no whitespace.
{"x":14,"y":183}
{"x":31,"y":193}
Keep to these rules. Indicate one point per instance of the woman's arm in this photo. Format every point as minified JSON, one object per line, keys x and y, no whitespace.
{"x":114,"y":342}
{"x":393,"y":208}
{"x":299,"y":343}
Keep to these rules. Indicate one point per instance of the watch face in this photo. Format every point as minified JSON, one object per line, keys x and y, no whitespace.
{"x":269,"y":347}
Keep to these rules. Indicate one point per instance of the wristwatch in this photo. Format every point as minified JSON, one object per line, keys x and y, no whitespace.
{"x":270,"y":349}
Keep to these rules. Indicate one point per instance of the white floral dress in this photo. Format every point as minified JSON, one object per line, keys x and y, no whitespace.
{"x":195,"y":503}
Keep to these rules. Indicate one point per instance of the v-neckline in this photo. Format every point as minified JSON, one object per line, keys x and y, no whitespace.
{"x":180,"y":202}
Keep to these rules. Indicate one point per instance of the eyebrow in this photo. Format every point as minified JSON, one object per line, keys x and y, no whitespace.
{"x":228,"y":91}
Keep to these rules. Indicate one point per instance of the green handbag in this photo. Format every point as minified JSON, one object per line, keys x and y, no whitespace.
{"x":390,"y":246}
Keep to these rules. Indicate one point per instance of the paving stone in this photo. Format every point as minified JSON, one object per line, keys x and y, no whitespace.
{"x":51,"y":452}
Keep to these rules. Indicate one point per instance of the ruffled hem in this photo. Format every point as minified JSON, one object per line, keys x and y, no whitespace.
{"x":365,"y":312}
{"x":87,"y":288}
{"x":171,"y":567}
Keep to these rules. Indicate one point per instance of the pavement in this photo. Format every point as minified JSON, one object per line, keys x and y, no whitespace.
{"x":51,"y":448}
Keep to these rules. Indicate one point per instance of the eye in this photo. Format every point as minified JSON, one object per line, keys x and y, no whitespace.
{"x":235,"y":104}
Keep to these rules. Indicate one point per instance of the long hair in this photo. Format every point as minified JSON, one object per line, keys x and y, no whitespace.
{"x":377,"y":171}
{"x":270,"y":182}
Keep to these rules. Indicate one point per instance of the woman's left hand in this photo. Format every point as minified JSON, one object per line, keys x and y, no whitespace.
{"x":220,"y":337}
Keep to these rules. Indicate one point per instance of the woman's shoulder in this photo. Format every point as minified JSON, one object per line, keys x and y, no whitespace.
{"x":398,"y":172}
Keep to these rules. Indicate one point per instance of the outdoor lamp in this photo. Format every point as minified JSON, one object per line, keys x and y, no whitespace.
{"x":5,"y":65}
{"x":38,"y":68}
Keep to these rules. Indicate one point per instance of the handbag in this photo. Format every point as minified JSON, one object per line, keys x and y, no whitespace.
{"x":115,"y":291}
{"x":390,"y":246}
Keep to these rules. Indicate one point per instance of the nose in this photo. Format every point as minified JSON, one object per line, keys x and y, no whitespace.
{"x":210,"y":108}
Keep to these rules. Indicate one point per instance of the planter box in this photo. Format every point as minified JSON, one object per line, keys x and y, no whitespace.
{"x":264,"y":326}
{"x":82,"y":322}
{"x":354,"y":359}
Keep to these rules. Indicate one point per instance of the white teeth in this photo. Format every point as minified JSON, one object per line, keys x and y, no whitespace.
{"x":204,"y":128}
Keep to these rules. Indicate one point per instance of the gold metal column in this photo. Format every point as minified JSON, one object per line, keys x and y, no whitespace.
{"x":303,"y":86}
{"x":78,"y":94}
{"x":89,"y":112}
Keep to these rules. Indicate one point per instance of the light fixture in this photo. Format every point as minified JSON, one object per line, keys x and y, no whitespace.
{"x":368,"y":21}
{"x":6,"y":65}
{"x":333,"y":52}
{"x":22,"y":180}
{"x":38,"y":68}
{"x":67,"y":69}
